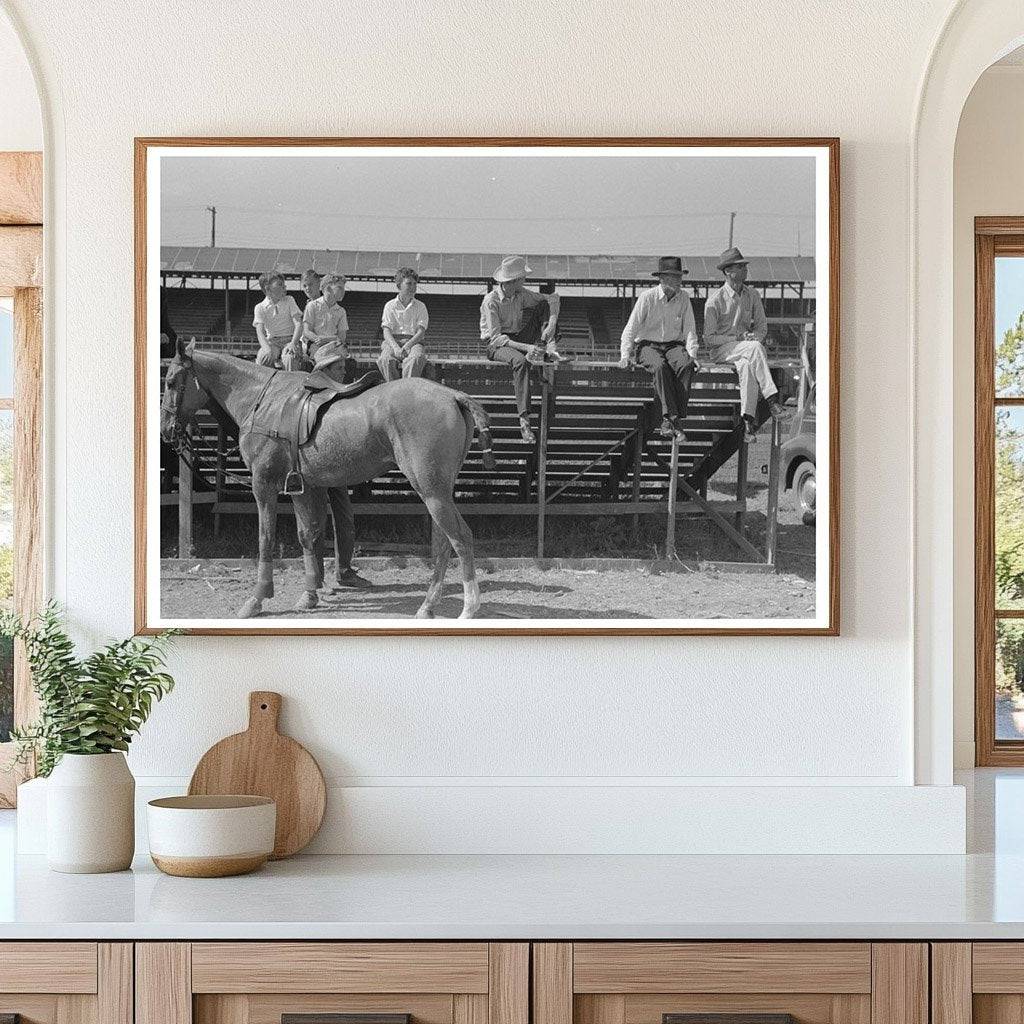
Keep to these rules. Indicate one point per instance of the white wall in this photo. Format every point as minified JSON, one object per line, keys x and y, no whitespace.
{"x":988,"y":181}
{"x":441,"y":714}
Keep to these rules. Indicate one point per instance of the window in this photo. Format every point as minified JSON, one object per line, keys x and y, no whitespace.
{"x":999,"y":491}
{"x":21,"y":377}
{"x":6,"y":510}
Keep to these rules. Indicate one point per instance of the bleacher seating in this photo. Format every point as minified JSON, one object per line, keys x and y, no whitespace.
{"x":454,"y":325}
{"x":574,"y":334}
{"x":195,"y":311}
{"x":601,"y":453}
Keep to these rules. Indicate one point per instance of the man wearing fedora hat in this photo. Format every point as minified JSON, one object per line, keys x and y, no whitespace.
{"x":518,"y":325}
{"x":661,"y":335}
{"x":735,"y":327}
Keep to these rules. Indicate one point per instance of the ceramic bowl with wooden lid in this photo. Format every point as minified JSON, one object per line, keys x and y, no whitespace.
{"x":211,"y":836}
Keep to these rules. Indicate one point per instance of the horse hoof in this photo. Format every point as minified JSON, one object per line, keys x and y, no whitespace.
{"x":469,"y":613}
{"x":424,"y":613}
{"x":251,"y":608}
{"x":307,"y":601}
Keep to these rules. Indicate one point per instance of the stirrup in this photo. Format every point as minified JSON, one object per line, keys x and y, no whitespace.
{"x":293,"y":483}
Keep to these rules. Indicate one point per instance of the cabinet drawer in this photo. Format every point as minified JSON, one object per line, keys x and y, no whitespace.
{"x":271,"y":1009}
{"x":261,"y":982}
{"x":737,"y":982}
{"x":998,"y":967}
{"x":634,"y":967}
{"x":980,"y":982}
{"x":340,"y":967}
{"x":48,"y":967}
{"x":66,"y":982}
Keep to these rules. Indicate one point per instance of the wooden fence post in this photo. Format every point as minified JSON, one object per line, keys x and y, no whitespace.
{"x":185,"y":539}
{"x":638,"y":465}
{"x":542,"y":462}
{"x":220,"y":481}
{"x":673,"y":486}
{"x":742,"y":469}
{"x":772,"y":525}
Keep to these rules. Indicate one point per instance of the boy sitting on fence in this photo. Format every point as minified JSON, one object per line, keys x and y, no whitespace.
{"x":310,"y":282}
{"x":325,"y":327}
{"x":404,"y":324}
{"x":277,"y":319}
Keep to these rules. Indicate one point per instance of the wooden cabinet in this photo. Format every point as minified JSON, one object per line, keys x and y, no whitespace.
{"x":979,"y":982}
{"x":259,"y":982}
{"x":815,"y":982}
{"x":494,"y":983}
{"x":66,"y":982}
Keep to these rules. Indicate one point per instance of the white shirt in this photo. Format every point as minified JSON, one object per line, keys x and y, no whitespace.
{"x":406,"y":320}
{"x":323,"y":319}
{"x":728,"y":315}
{"x":656,"y":317}
{"x":278,"y":319}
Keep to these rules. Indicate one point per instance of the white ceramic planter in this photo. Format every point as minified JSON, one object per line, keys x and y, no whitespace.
{"x":90,"y":814}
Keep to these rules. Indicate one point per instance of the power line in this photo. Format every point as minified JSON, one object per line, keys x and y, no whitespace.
{"x":489,"y":219}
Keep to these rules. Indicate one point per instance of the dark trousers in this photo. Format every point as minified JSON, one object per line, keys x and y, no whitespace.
{"x":528,"y":334}
{"x":344,"y":527}
{"x":672,"y":368}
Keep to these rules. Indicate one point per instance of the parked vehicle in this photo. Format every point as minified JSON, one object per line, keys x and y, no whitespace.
{"x":798,"y":461}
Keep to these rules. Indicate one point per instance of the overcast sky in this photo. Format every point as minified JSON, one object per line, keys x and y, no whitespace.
{"x":619,"y":205}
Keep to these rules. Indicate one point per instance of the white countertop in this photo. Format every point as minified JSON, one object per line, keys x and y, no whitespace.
{"x":532,"y":897}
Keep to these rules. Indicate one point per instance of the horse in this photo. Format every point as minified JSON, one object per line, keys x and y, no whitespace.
{"x":423,"y":428}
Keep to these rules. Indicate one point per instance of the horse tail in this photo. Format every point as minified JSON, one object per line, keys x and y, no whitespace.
{"x":483,"y":426}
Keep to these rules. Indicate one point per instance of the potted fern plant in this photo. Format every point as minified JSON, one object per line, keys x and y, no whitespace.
{"x":89,"y":710}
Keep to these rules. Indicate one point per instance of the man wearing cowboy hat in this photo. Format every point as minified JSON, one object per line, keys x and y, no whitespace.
{"x":519,"y":328}
{"x":735,"y":327}
{"x":661,"y":335}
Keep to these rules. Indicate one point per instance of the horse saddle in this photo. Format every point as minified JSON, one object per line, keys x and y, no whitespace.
{"x":293,"y":414}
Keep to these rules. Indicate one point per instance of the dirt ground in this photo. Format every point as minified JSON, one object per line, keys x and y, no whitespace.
{"x":216,"y":588}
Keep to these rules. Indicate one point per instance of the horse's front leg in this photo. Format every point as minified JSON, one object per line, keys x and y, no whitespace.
{"x":311,"y":521}
{"x":266,"y":504}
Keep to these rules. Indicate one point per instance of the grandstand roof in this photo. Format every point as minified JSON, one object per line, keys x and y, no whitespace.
{"x":454,"y":266}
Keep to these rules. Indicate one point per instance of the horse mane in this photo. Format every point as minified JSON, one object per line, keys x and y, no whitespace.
{"x":224,"y":419}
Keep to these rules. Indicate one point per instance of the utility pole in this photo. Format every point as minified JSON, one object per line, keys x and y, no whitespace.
{"x":212,"y":210}
{"x":732,"y":224}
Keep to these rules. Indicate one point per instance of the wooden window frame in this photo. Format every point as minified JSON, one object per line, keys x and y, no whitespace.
{"x":993,"y":237}
{"x":21,"y":272}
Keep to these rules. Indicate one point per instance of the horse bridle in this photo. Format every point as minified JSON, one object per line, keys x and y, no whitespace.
{"x":181,"y":440}
{"x":172,"y":402}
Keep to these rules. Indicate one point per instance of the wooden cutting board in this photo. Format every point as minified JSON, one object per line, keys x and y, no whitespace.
{"x":262,"y":762}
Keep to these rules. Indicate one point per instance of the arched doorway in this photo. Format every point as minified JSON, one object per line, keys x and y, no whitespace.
{"x":975,"y":35}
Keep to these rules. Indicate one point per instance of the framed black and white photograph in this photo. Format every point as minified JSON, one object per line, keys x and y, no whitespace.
{"x":487,"y":386}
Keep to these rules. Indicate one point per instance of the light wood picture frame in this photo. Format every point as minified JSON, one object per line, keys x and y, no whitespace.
{"x":994,"y":237}
{"x":746,"y":545}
